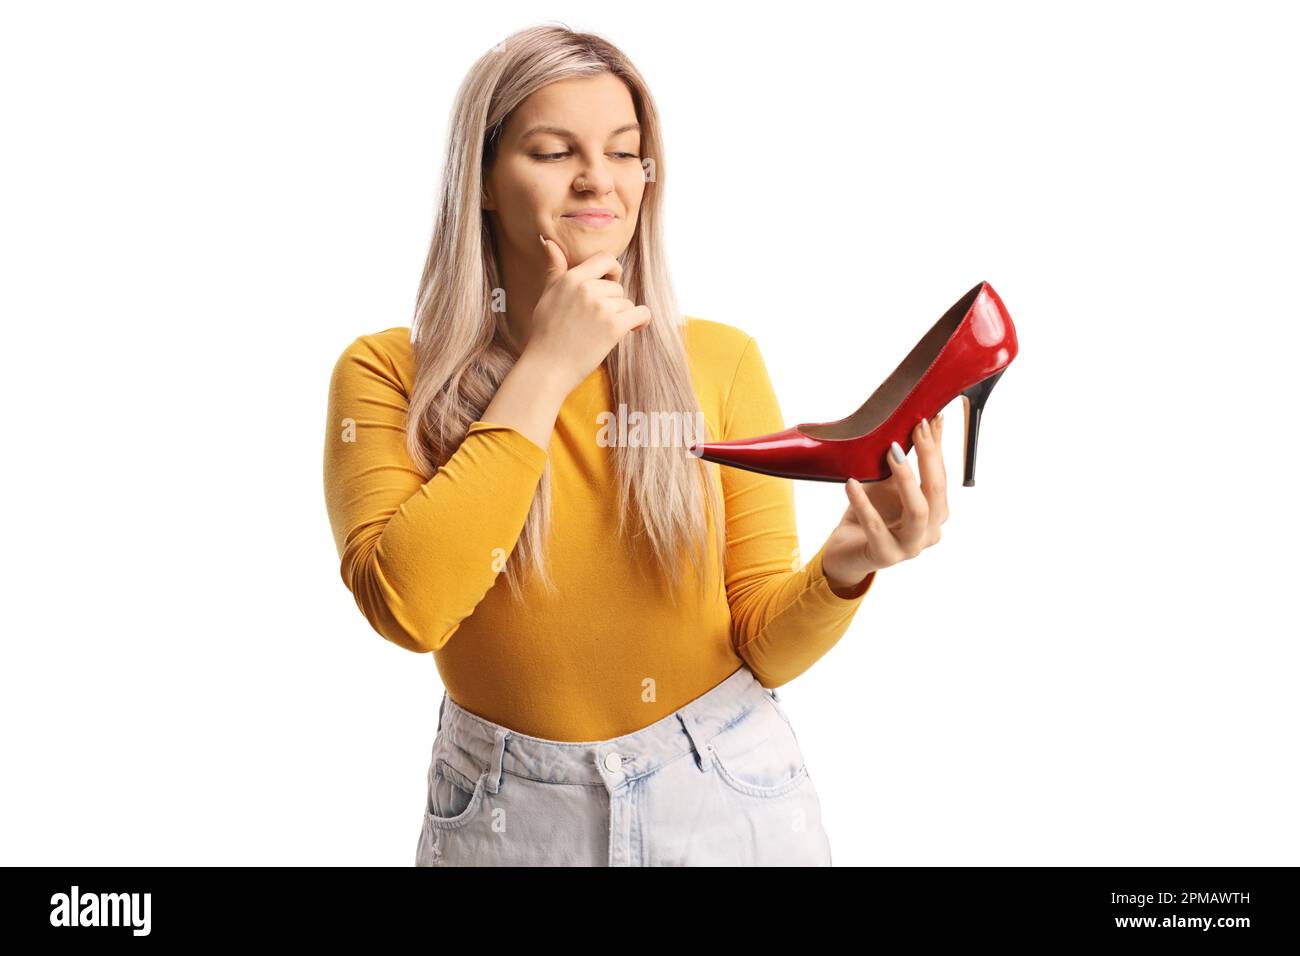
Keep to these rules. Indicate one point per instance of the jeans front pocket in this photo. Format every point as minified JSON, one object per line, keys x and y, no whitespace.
{"x":453,"y":802}
{"x":453,"y":796}
{"x":758,"y":755}
{"x":768,"y":804}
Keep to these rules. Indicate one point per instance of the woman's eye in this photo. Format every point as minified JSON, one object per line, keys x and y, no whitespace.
{"x":559,"y":155}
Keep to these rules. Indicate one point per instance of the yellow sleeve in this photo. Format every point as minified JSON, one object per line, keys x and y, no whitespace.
{"x":418,"y":556}
{"x":784,"y":616}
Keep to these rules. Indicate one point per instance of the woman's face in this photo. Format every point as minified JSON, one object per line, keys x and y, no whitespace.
{"x":572,"y":145}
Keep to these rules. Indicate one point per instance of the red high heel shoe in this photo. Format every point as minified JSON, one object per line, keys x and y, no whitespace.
{"x":964,"y":353}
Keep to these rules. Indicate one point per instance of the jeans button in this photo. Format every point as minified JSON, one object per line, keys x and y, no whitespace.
{"x":613,"y":762}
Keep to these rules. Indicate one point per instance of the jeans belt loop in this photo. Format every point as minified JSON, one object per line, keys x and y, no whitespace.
{"x":498,"y":758}
{"x":702,"y":759}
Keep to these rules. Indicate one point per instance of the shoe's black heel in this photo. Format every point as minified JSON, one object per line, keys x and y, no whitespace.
{"x":975,"y":397}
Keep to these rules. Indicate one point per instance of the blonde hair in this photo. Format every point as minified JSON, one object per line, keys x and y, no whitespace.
{"x":462,"y":347}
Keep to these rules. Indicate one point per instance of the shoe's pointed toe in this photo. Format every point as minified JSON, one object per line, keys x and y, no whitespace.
{"x":785,"y":454}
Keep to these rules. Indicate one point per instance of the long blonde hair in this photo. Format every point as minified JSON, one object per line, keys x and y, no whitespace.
{"x":461,"y":344}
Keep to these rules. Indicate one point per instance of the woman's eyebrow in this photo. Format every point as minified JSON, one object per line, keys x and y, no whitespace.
{"x":569,"y":133}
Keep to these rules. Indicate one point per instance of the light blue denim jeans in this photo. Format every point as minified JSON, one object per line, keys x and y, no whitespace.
{"x":720,"y":782}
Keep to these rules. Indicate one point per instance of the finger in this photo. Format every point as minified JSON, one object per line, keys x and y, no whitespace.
{"x":556,"y":263}
{"x":938,"y":430}
{"x":606,"y":287}
{"x":915,"y":528}
{"x":934,"y":480}
{"x":635,"y":318}
{"x":600,"y":265}
{"x":881,"y":543}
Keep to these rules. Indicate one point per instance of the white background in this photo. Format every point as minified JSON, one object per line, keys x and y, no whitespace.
{"x":203,"y":204}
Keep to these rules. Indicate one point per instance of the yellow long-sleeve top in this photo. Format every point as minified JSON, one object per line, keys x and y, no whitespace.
{"x":610,"y":651}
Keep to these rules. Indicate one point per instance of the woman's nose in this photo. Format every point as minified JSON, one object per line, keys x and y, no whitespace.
{"x":595,"y":179}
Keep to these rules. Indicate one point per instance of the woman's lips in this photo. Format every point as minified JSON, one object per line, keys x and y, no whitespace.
{"x":596,"y":222}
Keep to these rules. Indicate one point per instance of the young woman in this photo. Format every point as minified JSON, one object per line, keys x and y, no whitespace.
{"x":492,"y":504}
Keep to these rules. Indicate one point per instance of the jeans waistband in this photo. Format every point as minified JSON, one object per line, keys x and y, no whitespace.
{"x":475,"y":746}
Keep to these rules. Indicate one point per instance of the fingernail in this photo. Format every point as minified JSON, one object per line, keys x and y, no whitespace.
{"x":542,"y":240}
{"x":897,"y":451}
{"x":925,"y":427}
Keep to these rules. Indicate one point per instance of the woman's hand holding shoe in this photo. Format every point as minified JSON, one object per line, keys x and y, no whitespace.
{"x":892,"y":520}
